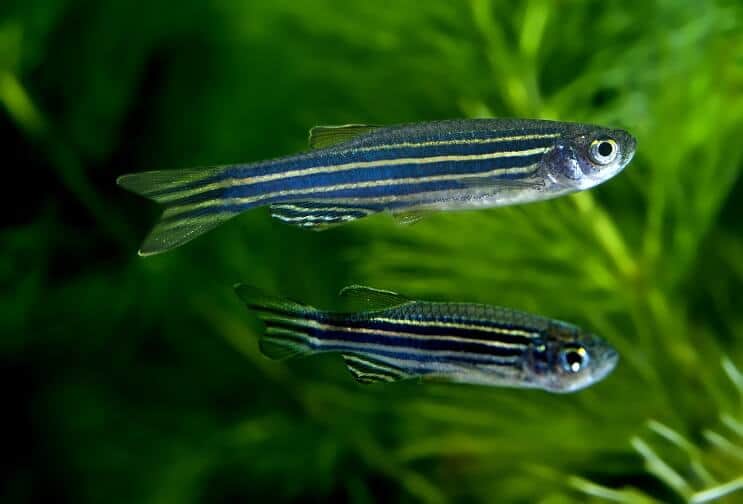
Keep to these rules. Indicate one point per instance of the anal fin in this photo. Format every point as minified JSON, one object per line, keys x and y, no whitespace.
{"x":368,"y":370}
{"x":318,"y":214}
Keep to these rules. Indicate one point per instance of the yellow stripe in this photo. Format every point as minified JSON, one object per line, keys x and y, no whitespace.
{"x":353,"y":185}
{"x":205,"y":219}
{"x":439,"y":337}
{"x":455,"y":325}
{"x":385,"y":163}
{"x":317,"y":343}
{"x":372,"y":164}
{"x":440,"y":143}
{"x":370,"y":347}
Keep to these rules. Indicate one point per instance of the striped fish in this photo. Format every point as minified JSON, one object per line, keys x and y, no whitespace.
{"x":357,"y":170}
{"x":397,"y":338}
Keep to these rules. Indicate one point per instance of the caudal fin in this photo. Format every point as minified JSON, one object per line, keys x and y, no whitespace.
{"x":194,"y":201}
{"x":289,"y":325}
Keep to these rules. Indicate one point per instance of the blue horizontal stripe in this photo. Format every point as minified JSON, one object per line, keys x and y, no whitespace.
{"x":410,"y":324}
{"x":435,"y":344}
{"x":402,"y":355}
{"x":432,"y":343}
{"x":351,"y":155}
{"x":366,"y":192}
{"x":346,"y":155}
{"x":367,"y":175}
{"x":397,"y":171}
{"x":483,"y":334}
{"x":386,"y":189}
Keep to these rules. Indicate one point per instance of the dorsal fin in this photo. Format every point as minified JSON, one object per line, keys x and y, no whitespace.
{"x":369,"y":299}
{"x":327,"y":136}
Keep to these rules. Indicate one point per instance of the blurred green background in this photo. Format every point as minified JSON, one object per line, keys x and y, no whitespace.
{"x":139,"y":380}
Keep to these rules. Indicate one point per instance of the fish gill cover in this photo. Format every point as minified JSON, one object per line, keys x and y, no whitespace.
{"x":141,"y":380}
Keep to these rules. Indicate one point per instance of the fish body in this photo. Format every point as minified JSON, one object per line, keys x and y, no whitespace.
{"x":356,"y":170}
{"x":398,"y":338}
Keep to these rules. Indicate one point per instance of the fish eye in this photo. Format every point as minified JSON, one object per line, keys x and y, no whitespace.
{"x":574,"y":359}
{"x":604,"y":151}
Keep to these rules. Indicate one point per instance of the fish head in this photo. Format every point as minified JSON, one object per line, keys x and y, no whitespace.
{"x":569,"y":359}
{"x":586,"y":156}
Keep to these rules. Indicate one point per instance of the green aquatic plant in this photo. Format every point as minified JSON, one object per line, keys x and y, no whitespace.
{"x":701,"y":471}
{"x":626,"y":259}
{"x":142,"y":379}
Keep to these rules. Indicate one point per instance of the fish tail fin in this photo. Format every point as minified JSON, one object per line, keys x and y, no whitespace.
{"x":192,"y":199}
{"x":289,"y":331}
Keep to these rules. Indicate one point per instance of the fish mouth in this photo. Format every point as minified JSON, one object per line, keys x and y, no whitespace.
{"x":609,"y":359}
{"x":631,"y":149}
